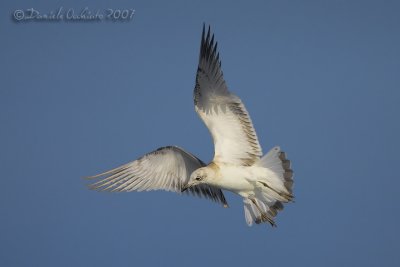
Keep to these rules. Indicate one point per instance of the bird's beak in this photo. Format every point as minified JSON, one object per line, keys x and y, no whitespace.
{"x":185,"y":187}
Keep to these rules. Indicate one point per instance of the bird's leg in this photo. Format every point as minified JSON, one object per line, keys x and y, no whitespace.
{"x":264,"y":216}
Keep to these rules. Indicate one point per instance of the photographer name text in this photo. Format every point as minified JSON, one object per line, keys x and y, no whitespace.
{"x":70,"y":14}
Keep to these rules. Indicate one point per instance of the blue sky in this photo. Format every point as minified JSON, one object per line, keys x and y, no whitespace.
{"x":319,"y":78}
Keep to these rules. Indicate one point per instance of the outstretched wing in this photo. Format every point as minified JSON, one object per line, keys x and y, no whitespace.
{"x":166,"y":168}
{"x":224,"y":114}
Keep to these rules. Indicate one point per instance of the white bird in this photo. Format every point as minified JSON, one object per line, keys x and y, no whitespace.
{"x":264,"y":183}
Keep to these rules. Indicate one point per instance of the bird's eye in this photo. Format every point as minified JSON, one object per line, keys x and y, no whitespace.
{"x":198,"y":178}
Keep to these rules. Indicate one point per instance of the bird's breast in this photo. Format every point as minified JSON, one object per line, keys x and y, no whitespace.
{"x":235,"y":179}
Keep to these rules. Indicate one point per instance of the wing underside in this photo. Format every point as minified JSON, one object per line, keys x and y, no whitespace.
{"x":224,"y":114}
{"x":167,"y":168}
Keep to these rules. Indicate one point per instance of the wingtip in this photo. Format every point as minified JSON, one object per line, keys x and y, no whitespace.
{"x":208,"y":47}
{"x":94,"y":176}
{"x":92,"y":187}
{"x":89,"y":177}
{"x":204,"y":29}
{"x":208,"y":34}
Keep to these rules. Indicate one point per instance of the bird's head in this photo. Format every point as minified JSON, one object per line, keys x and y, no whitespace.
{"x":199,"y":176}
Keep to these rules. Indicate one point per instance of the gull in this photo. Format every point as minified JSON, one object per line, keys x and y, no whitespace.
{"x":264,"y":182}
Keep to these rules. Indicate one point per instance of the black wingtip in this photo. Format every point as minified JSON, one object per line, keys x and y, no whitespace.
{"x":207,"y":47}
{"x":208,"y":34}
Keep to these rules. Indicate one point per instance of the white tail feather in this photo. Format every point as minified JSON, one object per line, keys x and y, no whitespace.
{"x":256,"y":211}
{"x":271,"y":160}
{"x":279,"y":168}
{"x":275,"y":188}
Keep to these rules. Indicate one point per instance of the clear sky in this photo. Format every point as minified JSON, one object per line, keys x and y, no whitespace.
{"x":319,"y":78}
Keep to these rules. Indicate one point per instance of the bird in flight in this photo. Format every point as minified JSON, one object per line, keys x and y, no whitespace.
{"x":264,"y":182}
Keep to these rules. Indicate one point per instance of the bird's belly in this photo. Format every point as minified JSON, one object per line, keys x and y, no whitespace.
{"x":235,"y":179}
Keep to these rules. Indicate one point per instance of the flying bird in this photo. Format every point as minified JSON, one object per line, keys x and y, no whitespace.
{"x":264,"y":182}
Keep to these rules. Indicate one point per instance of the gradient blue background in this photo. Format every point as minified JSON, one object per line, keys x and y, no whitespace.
{"x":319,"y":78}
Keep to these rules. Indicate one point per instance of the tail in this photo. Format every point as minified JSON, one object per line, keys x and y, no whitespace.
{"x":275,"y":160}
{"x":273,"y":189}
